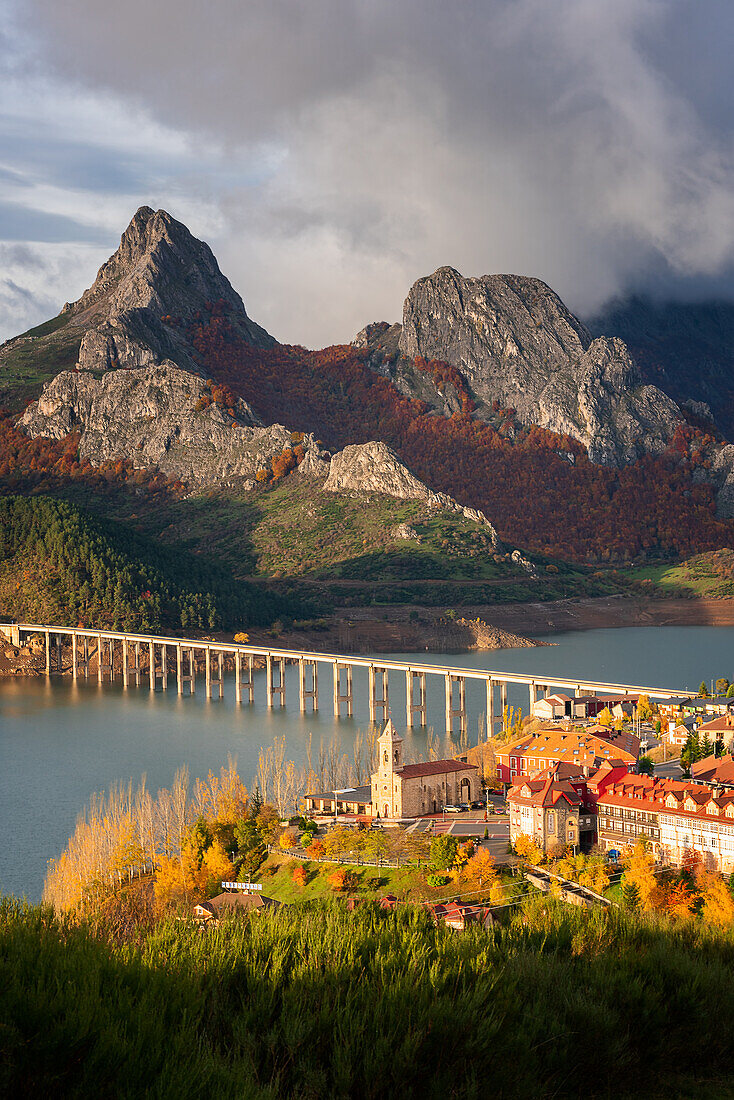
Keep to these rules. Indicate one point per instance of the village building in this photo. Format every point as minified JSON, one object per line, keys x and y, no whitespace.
{"x":548,"y":809}
{"x":552,"y":707}
{"x":715,"y":771}
{"x":720,"y":729}
{"x":586,"y":751}
{"x":410,"y":790}
{"x":229,"y":903}
{"x":355,"y":801}
{"x":677,"y":735}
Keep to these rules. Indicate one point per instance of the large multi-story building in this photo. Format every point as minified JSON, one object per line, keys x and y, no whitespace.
{"x":683,"y":822}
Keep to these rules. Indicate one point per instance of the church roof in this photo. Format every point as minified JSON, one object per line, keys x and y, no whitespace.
{"x":435,"y":767}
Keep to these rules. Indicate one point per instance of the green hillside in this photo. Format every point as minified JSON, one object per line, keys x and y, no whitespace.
{"x":318,"y":1002}
{"x":60,"y":564}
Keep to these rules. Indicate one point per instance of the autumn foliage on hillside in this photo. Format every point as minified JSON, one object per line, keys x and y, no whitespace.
{"x":43,"y":464}
{"x":538,"y":488}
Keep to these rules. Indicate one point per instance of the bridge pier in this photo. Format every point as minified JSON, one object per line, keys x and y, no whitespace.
{"x":343,"y":697}
{"x":490,"y":708}
{"x":137,"y":664}
{"x":85,"y":657}
{"x":533,"y":695}
{"x":413,"y":707}
{"x":248,"y":682}
{"x":212,"y":681}
{"x":382,"y":702}
{"x":151,"y":665}
{"x":272,"y":687}
{"x":48,"y":653}
{"x":74,"y":669}
{"x":58,"y":653}
{"x":306,"y":693}
{"x":125,"y":669}
{"x":451,"y":711}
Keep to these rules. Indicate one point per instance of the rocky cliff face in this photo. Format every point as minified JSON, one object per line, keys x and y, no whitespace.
{"x":685,"y":348}
{"x":516,"y":343}
{"x":375,"y":468}
{"x":158,"y":416}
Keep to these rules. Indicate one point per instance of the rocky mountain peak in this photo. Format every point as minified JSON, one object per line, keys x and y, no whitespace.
{"x":160,"y":266}
{"x":137,"y":311}
{"x":516,"y":343}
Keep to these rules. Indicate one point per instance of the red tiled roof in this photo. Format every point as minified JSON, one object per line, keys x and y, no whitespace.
{"x":434,"y":767}
{"x":715,"y":769}
{"x":723,"y":722}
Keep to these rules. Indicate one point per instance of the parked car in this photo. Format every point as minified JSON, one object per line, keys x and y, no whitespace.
{"x":477,"y":804}
{"x":452,"y":808}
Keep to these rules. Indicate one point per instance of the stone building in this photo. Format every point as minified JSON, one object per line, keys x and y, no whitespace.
{"x":409,"y":790}
{"x":548,"y":809}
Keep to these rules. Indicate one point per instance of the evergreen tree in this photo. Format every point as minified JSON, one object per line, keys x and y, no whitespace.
{"x":630,"y":896}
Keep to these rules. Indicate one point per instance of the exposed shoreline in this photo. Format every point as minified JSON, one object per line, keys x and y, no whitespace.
{"x":600,"y":612}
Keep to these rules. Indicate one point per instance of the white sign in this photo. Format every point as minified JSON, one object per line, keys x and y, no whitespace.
{"x":242,"y":886}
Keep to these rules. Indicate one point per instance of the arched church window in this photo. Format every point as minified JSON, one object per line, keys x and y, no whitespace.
{"x":384,"y":758}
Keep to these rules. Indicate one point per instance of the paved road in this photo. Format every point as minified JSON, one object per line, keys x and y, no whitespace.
{"x":671,"y":769}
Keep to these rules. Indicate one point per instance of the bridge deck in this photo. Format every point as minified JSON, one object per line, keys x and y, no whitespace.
{"x":275,"y":653}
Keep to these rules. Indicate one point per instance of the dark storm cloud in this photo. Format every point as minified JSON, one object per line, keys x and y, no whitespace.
{"x":584,"y":141}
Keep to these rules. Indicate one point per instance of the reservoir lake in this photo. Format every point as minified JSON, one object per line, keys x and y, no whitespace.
{"x":60,"y":742}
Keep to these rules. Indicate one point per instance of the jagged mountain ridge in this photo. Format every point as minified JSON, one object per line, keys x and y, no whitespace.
{"x":685,"y":348}
{"x":516,"y":343}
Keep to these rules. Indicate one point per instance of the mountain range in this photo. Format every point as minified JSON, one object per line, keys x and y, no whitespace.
{"x":490,"y":405}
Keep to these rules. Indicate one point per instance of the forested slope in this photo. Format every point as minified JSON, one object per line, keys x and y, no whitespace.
{"x":61,"y":565}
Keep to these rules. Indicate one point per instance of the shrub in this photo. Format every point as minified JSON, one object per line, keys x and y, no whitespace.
{"x":437,"y":880}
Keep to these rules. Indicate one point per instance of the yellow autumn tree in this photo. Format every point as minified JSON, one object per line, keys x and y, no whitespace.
{"x":527,"y":849}
{"x":639,"y":871}
{"x":481,"y":871}
{"x":217,"y":867}
{"x":718,"y":904}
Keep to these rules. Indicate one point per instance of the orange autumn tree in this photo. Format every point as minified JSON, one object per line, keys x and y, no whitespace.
{"x":299,"y":876}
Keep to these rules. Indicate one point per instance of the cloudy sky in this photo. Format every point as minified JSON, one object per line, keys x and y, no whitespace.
{"x":332,"y":151}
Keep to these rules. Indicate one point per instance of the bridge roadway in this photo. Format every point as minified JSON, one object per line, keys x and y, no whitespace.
{"x":155,"y":648}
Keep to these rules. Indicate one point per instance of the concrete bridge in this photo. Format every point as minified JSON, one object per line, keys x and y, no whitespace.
{"x":156,"y":658}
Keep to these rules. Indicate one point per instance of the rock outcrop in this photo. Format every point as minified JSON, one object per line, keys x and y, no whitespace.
{"x":159,"y":416}
{"x":375,"y":468}
{"x":516,"y":343}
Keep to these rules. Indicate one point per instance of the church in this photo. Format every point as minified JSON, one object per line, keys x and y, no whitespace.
{"x":410,"y":790}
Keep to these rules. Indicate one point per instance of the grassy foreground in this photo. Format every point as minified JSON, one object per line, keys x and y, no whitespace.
{"x":318,"y":1002}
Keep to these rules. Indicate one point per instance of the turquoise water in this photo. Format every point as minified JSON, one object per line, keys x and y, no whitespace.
{"x":60,"y":742}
